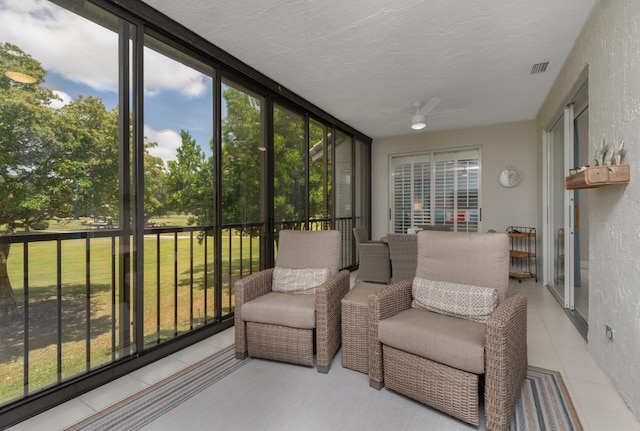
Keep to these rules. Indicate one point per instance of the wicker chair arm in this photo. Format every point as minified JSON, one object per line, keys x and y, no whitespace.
{"x":253,"y":286}
{"x":388,"y":302}
{"x":328,"y":329}
{"x":244,"y":290}
{"x":391,"y":300}
{"x":331,"y":292}
{"x":505,"y":360}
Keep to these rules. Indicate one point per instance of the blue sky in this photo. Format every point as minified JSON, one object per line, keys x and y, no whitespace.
{"x":167,"y":111}
{"x":81,"y":59}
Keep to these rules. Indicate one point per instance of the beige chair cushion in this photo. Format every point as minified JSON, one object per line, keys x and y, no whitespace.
{"x":458,"y":343}
{"x":285,"y":309}
{"x":309,"y":249}
{"x":480,"y":259}
{"x":305,"y":281}
{"x":453,"y":299}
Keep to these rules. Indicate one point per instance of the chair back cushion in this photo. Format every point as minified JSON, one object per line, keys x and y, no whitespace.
{"x":479,"y":259}
{"x":289,"y":280}
{"x":452,"y":299}
{"x":299,"y":249}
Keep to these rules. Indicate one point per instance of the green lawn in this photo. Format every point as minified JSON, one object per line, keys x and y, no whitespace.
{"x":159,"y":291}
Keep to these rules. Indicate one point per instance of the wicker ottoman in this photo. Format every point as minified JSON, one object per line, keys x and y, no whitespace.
{"x":355,"y":326}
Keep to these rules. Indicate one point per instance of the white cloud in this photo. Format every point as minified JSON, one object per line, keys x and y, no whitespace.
{"x":63,"y":100}
{"x":85,"y":52}
{"x":163,"y":72}
{"x":168,"y":142}
{"x":63,"y":42}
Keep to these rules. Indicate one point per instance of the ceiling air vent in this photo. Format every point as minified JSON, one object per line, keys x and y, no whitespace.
{"x":539,"y":68}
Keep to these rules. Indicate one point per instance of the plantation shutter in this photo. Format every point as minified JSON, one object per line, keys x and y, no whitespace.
{"x":421,"y":193}
{"x":468,"y":195}
{"x":444,"y":193}
{"x":402,"y":197}
{"x":436,"y":189}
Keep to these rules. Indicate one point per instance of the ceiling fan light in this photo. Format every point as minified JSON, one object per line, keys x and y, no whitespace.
{"x":20,"y":77}
{"x":418,"y":122}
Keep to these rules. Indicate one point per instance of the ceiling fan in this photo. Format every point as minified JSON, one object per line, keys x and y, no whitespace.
{"x":419,"y":118}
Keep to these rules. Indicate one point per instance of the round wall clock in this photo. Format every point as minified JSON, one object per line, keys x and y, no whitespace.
{"x":509,"y":177}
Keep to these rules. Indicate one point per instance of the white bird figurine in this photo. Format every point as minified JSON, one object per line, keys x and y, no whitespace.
{"x":601,"y":154}
{"x":618,"y":154}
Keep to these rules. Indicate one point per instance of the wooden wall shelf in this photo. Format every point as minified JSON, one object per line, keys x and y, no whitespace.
{"x":598,"y":176}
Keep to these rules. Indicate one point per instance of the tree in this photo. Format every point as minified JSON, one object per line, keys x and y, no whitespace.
{"x":90,"y":134}
{"x":241,"y":158}
{"x":155,"y":189}
{"x":319,"y":174}
{"x":34,"y":181}
{"x":189,"y":182}
{"x":290,"y":180}
{"x":242,"y":164}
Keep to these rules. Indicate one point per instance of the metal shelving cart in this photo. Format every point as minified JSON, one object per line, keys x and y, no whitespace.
{"x":522,"y":253}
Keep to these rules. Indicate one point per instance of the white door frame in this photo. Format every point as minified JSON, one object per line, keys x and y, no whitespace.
{"x":569,"y":211}
{"x":570,"y":214}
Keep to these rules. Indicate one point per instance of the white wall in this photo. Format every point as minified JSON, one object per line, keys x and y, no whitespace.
{"x":608,"y":49}
{"x":501,"y":145}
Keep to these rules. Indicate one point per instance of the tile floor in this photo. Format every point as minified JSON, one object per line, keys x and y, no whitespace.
{"x":554,"y":343}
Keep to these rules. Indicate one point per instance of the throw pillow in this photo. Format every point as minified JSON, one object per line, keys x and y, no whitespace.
{"x":453,"y":299}
{"x":291,"y":280}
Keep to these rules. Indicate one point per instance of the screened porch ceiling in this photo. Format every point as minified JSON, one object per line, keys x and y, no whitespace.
{"x":367,"y":62}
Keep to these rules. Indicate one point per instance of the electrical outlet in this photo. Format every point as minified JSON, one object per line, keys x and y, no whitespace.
{"x":609,"y":332}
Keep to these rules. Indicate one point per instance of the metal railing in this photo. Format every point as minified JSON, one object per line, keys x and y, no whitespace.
{"x":77,"y":309}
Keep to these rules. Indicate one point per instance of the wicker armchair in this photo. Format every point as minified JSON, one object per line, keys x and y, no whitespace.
{"x":403,"y":251}
{"x":282,"y":326}
{"x":374,"y":263}
{"x":442,"y":360}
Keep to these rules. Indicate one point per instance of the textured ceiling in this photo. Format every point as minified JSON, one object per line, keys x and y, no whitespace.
{"x":368,"y":61}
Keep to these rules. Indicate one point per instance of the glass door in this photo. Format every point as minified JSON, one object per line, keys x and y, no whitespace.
{"x":561,"y":208}
{"x":568,"y":234}
{"x":580,"y":286}
{"x":557,"y":211}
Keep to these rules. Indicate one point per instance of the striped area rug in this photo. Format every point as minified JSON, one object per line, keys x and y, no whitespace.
{"x":143,"y":407}
{"x":545,"y":404}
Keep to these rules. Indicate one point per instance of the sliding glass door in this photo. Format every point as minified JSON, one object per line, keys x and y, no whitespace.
{"x":581,"y":240}
{"x":568,"y":234}
{"x":558,"y":209}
